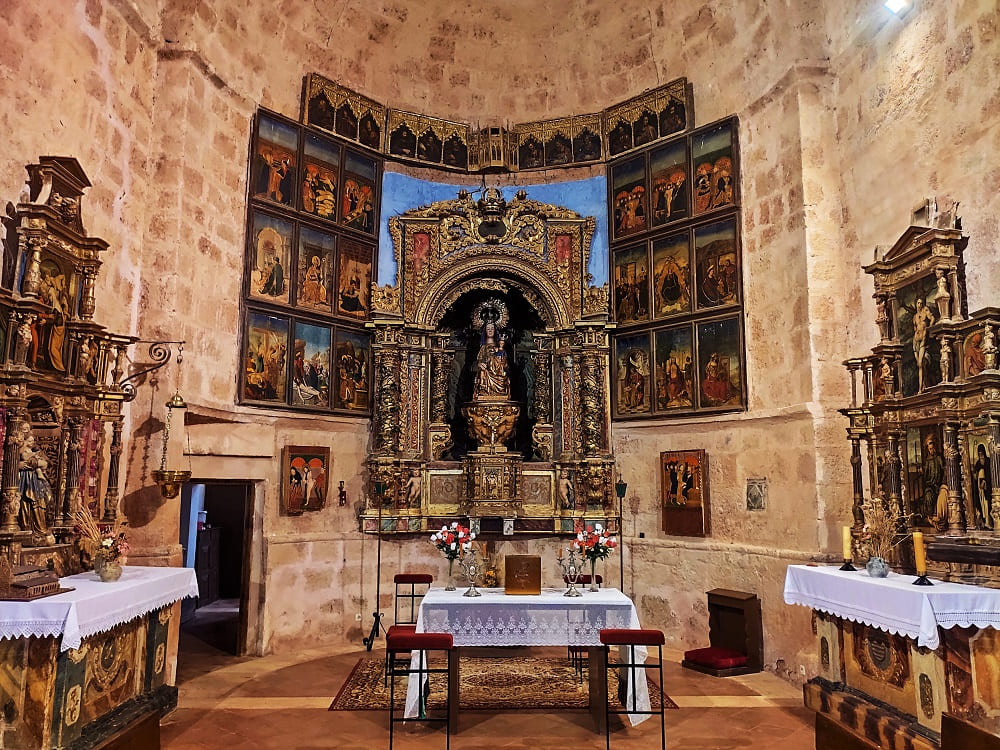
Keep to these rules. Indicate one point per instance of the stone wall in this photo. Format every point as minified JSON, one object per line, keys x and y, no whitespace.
{"x":848,"y":120}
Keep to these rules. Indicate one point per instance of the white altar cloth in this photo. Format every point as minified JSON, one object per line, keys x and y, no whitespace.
{"x":548,"y":619}
{"x":893,"y":604}
{"x":94,"y":606}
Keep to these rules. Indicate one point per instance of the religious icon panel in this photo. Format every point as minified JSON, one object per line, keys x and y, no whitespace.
{"x":669,"y":175}
{"x":272,"y":172}
{"x":671,"y":276}
{"x":320,"y":176}
{"x":628,"y":190}
{"x":56,"y":290}
{"x":352,"y":363}
{"x":632,"y":285}
{"x":674,"y":368}
{"x":924,"y":473}
{"x":684,"y":493}
{"x":311,"y":366}
{"x":270,"y":257}
{"x":717,"y":264}
{"x":632,"y":381}
{"x":358,"y":200}
{"x":316,"y":261}
{"x":719,"y":369}
{"x":714,"y":175}
{"x":354,"y":279}
{"x":266,"y":357}
{"x":917,"y":312}
{"x":306,"y":478}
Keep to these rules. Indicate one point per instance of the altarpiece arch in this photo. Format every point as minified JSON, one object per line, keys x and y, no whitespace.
{"x":491,"y":383}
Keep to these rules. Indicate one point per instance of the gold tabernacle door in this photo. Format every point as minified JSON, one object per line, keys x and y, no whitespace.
{"x":522,"y":574}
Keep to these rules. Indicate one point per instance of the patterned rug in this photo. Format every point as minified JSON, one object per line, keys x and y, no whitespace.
{"x":498,"y":684}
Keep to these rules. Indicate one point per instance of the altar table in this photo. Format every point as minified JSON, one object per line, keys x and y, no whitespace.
{"x":548,"y":619}
{"x":90,"y":663}
{"x":894,"y":657}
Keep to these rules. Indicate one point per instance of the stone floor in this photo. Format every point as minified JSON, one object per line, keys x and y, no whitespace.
{"x":281,"y":702}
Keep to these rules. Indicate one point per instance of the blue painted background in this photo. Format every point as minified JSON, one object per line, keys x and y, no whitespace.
{"x":589,"y":197}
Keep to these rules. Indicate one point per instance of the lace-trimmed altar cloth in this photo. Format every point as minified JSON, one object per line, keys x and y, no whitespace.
{"x":893,"y":604}
{"x":94,"y":606}
{"x":548,"y":619}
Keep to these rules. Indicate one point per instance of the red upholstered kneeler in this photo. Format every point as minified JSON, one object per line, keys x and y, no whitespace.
{"x":735,"y":634}
{"x":716,"y":658}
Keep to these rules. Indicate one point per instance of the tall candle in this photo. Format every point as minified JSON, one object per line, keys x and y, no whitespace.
{"x":919,"y":553}
{"x":847,"y":543}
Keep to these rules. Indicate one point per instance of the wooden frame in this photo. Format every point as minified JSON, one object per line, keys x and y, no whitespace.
{"x":684,"y":494}
{"x":305,"y":478}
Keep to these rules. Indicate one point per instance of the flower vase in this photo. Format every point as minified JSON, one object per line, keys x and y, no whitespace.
{"x":451,"y":579}
{"x":593,"y":576}
{"x":877,"y":567}
{"x":107,"y":570}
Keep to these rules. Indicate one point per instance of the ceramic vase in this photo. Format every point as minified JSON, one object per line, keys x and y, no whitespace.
{"x":107,"y":570}
{"x":877,"y":567}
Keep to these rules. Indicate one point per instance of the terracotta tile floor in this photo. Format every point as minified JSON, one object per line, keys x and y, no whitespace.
{"x":281,"y":702}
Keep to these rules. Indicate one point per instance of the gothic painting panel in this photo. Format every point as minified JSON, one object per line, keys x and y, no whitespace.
{"x":981,"y":479}
{"x":403,"y":141}
{"x":305,"y":474}
{"x":684,"y":493}
{"x":924,"y":471}
{"x":674,"y":352}
{"x":429,"y":146}
{"x":673,"y":117}
{"x":632,"y":375}
{"x":619,"y":138}
{"x":632,"y":285}
{"x":352,"y":360}
{"x":717,"y":264}
{"x":628,"y":187}
{"x":316,"y":261}
{"x":530,"y":153}
{"x":266,"y":357}
{"x":669,"y":181}
{"x":558,"y":150}
{"x":346,"y":122}
{"x":48,"y":340}
{"x":671,"y":276}
{"x":272,"y":173}
{"x":320,"y":164}
{"x":311,"y":366}
{"x":320,"y":111}
{"x":719,"y":371}
{"x":714,"y":174}
{"x":369,"y":131}
{"x":354,"y":279}
{"x":916,"y":313}
{"x":455,"y":152}
{"x":358,"y":201}
{"x":586,"y":146}
{"x":645,"y":128}
{"x":270,"y":257}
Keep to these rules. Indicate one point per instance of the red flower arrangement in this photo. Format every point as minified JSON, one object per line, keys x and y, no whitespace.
{"x":594,"y":542}
{"x":453,"y":540}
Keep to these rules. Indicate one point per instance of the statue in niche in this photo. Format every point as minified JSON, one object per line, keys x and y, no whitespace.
{"x":923,"y":319}
{"x":492,"y":376}
{"x":36,"y":492}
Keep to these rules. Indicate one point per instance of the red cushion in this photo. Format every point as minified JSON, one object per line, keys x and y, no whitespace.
{"x":419,"y":642}
{"x":637,"y":637}
{"x":413,"y":578}
{"x":400,"y":630}
{"x":715,"y":657}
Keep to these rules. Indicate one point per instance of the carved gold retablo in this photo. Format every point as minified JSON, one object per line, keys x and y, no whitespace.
{"x":491,"y":423}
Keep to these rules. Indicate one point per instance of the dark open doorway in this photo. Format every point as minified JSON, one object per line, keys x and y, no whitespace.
{"x":216,"y":525}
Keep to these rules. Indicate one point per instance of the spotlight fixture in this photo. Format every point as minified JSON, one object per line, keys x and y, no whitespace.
{"x":897,"y":6}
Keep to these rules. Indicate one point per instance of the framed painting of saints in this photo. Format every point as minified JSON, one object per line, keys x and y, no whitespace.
{"x":311,"y":366}
{"x":320,"y":165}
{"x":671,"y":276}
{"x":720,"y":374}
{"x":316,"y":262}
{"x":352,"y":367}
{"x":305,"y":472}
{"x":924,"y":473}
{"x":717,"y":264}
{"x":632,"y":375}
{"x":921,"y":355}
{"x":273,"y":162}
{"x":265,"y":358}
{"x":358,"y":201}
{"x":56,"y":290}
{"x":981,"y":481}
{"x":715,"y":177}
{"x":354,"y":279}
{"x":631,"y":293}
{"x":668,"y":167}
{"x":628,"y":190}
{"x":674,"y":377}
{"x":684,"y":493}
{"x":270,"y":257}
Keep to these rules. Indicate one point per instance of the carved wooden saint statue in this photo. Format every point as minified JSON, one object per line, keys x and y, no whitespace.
{"x":492,"y":374}
{"x":36,"y":492}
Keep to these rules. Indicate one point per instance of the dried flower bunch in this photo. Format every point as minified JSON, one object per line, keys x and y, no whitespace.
{"x":877,"y":535}
{"x":109,"y":542}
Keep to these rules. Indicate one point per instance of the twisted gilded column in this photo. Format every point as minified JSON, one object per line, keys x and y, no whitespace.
{"x":71,"y":500}
{"x":11,"y":449}
{"x":953,"y":470}
{"x":387,"y":402}
{"x":859,"y":487}
{"x":590,"y":403}
{"x":111,"y":495}
{"x":894,"y":467}
{"x":993,"y":448}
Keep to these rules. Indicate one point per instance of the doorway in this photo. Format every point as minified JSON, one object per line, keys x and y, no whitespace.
{"x":216,"y":526}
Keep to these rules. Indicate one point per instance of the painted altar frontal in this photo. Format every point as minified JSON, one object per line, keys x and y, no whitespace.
{"x":491,"y":386}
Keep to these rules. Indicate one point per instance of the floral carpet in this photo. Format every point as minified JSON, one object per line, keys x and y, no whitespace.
{"x":511,"y":683}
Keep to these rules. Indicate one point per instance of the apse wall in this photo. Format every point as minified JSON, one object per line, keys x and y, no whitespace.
{"x":848,"y":119}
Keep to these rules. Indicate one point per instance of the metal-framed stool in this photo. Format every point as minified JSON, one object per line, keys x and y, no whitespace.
{"x":577,"y":655}
{"x":404,"y":617}
{"x":421,"y":643}
{"x":626,"y":641}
